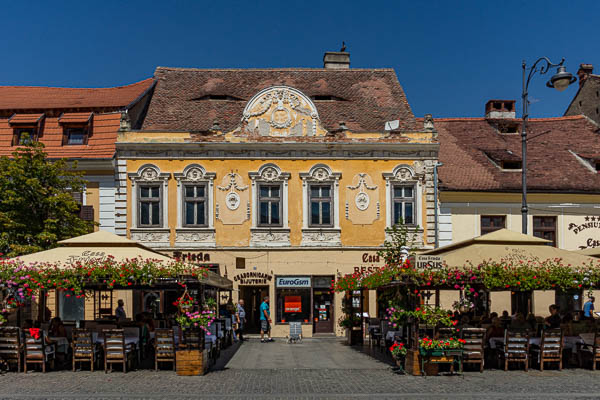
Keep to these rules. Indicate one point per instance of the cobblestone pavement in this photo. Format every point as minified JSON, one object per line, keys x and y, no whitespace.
{"x":365,"y":378}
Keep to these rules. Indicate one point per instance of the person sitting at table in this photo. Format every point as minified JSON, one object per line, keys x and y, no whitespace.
{"x":553,"y":321}
{"x":120,"y":311}
{"x":496,"y":329}
{"x":519,"y":323}
{"x":57,"y":328}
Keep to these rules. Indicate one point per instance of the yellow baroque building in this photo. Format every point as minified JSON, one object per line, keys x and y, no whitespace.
{"x":281,"y":179}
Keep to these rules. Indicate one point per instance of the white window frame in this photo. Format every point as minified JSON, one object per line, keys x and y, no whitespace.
{"x":403,"y":175}
{"x":321,"y":174}
{"x":195,"y":236}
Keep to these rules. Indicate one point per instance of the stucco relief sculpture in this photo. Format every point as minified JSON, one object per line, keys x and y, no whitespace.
{"x":270,"y":238}
{"x":282,"y":111}
{"x":232,"y":193}
{"x":362,"y":203}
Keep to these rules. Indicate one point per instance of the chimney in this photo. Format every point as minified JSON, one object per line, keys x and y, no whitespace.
{"x":500,"y":109}
{"x":585,"y":70}
{"x":336,"y":60}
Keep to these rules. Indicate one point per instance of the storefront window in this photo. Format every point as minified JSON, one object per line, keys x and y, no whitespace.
{"x":293,"y":305}
{"x":71,"y":308}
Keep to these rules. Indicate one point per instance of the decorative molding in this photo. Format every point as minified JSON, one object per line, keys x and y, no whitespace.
{"x":269,"y":173}
{"x":321,"y":237}
{"x":190,"y":238}
{"x":233,"y":184}
{"x":195,"y":174}
{"x":321,"y":173}
{"x":364,"y":193}
{"x":153,"y":238}
{"x":260,"y":237}
{"x":232,"y":192}
{"x":282,"y":111}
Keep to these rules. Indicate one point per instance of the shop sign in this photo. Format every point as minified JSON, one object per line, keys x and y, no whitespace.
{"x":191,"y":257}
{"x":253,"y":278}
{"x":368,"y":258}
{"x":425,"y":262}
{"x":292,"y":304}
{"x":590,"y":222}
{"x":293,"y":281}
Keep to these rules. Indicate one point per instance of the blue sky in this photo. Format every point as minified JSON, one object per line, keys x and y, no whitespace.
{"x":450,"y":56}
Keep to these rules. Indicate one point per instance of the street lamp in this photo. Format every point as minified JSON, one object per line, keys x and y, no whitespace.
{"x":559,"y":81}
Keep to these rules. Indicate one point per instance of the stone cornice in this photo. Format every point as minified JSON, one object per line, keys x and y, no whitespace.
{"x":277,"y":150}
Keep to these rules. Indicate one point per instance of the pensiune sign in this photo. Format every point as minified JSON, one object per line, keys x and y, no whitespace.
{"x":589,"y":227}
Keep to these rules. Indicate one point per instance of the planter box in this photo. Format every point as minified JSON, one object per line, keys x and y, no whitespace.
{"x":354,"y":336}
{"x":191,"y":362}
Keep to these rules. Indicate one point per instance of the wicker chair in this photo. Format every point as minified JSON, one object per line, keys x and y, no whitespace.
{"x":115,"y":349}
{"x":474,"y":346}
{"x":10,"y":346}
{"x":37,"y":351}
{"x":84,"y":348}
{"x":516,"y":348}
{"x":550,"y":349}
{"x":164,"y":347}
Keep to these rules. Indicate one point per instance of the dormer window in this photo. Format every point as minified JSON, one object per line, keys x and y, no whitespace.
{"x":597,"y":166}
{"x":24,"y":136}
{"x":508,"y":128}
{"x":221,"y":97}
{"x":77,"y":128}
{"x":76,"y":135}
{"x":511,"y":164}
{"x":327,"y":97}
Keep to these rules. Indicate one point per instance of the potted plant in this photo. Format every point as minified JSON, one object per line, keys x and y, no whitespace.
{"x":398,"y":351}
{"x":440,"y":347}
{"x":185,"y":303}
{"x":193,"y":361}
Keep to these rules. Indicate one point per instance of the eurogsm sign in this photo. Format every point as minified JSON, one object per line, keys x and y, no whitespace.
{"x":293,"y":281}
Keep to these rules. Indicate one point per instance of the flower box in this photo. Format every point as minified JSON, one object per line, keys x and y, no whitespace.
{"x":191,"y":362}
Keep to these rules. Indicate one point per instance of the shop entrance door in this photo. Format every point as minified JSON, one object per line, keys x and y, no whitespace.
{"x":253,"y":296}
{"x":323,"y":311}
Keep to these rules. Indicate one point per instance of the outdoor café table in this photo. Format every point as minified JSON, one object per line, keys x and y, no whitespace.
{"x":62,"y":343}
{"x":129,"y":340}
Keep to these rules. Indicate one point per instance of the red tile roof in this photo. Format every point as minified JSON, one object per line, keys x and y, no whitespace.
{"x":70,"y":118}
{"x":40,"y":98}
{"x":363,"y":98}
{"x":101,"y":143}
{"x":25,"y":118}
{"x":551,"y":164}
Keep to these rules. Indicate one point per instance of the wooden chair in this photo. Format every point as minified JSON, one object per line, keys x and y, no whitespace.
{"x":516,"y":348}
{"x":10,"y":345}
{"x":384,"y":328}
{"x":164,"y":347}
{"x":446,"y":333}
{"x":374,"y":331}
{"x":474,"y":346}
{"x":115,"y":349}
{"x":591,"y":351}
{"x":84,"y":348}
{"x":37,"y":351}
{"x":550,"y":349}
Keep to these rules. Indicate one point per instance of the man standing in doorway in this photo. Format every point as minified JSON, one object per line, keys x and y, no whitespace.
{"x":240,"y":316}
{"x":265,"y":320}
{"x":120,"y":311}
{"x":588,"y":308}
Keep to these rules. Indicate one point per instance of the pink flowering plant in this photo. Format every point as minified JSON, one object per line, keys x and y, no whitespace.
{"x":197,"y":319}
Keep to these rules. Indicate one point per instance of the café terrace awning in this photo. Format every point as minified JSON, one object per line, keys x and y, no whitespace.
{"x":590,"y":252}
{"x":101,"y":244}
{"x":502,"y":244}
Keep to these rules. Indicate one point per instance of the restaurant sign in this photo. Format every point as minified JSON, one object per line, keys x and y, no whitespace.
{"x":425,"y":262}
{"x":86,"y":256}
{"x":293,"y":281}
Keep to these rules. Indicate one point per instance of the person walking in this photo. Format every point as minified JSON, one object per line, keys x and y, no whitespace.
{"x":588,"y":308}
{"x":265,"y":321}
{"x":240,"y":316}
{"x":120,"y":311}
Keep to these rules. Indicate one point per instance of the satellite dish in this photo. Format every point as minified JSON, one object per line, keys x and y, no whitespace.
{"x":392,"y":125}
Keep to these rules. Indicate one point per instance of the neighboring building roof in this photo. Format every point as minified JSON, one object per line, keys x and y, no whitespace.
{"x":193,"y":99}
{"x":556,"y":155}
{"x":41,"y":98}
{"x":100,"y":145}
{"x":587,"y":99}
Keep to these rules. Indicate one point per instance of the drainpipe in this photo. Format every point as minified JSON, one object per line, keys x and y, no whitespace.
{"x":435,"y":201}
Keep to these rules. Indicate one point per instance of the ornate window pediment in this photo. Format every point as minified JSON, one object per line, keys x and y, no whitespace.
{"x":282,"y":111}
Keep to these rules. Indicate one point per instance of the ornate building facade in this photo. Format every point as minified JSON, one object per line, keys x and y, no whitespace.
{"x":281,"y":179}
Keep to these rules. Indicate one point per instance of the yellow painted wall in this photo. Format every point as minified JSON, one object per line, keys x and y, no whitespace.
{"x":92,"y":198}
{"x":238,"y":235}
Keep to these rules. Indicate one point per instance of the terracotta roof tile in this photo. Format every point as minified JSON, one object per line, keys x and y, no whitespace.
{"x":39,"y":98}
{"x":67,"y":118}
{"x":551,"y":165}
{"x":367,"y":98}
{"x":25,"y":118}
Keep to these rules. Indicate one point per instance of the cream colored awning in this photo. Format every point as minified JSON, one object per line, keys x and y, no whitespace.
{"x":503,"y":244}
{"x":102,"y":244}
{"x":591,"y":252}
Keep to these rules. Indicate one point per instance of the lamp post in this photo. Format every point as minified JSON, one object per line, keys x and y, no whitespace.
{"x":559,"y":81}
